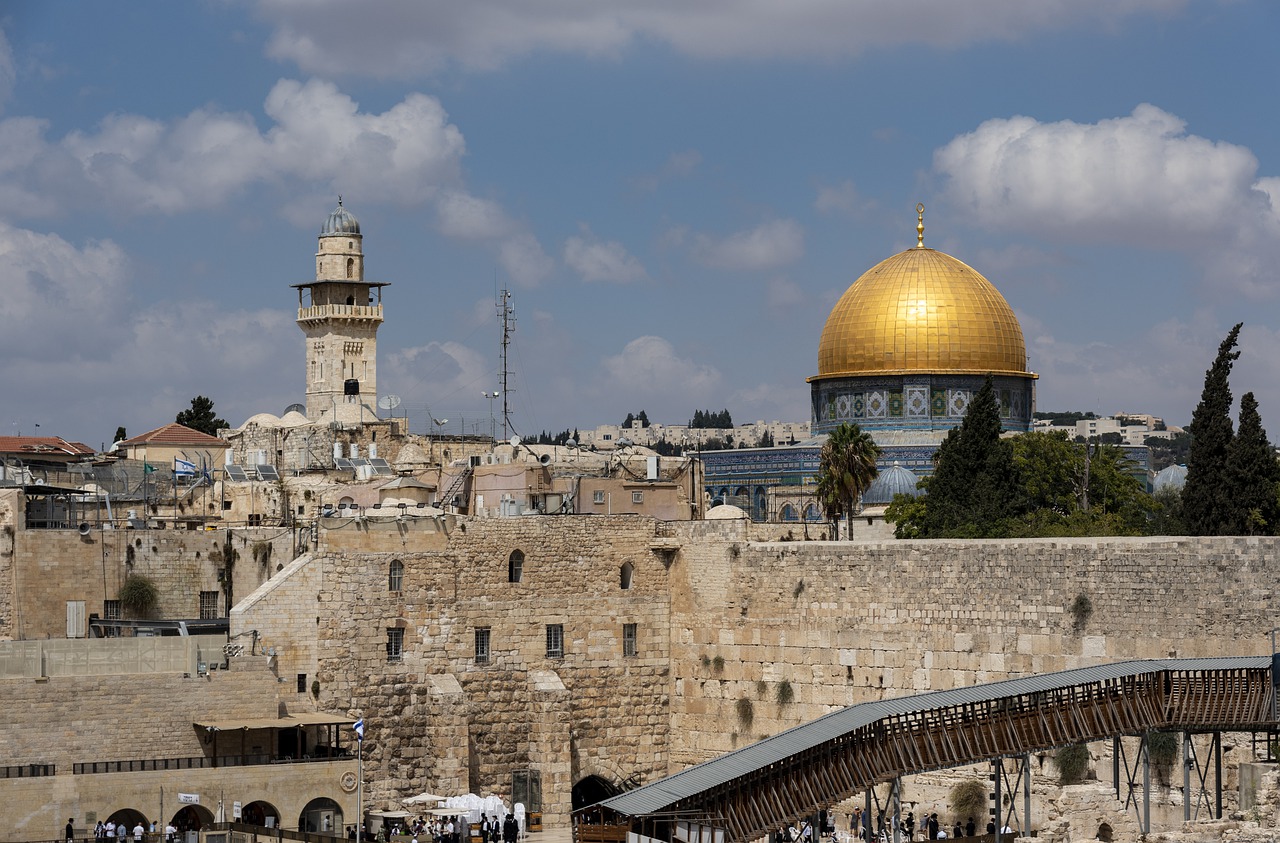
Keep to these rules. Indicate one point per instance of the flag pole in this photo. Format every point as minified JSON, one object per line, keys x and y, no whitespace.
{"x":358,"y":726}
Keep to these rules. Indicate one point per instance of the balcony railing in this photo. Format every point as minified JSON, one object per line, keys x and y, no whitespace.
{"x":146,"y":765}
{"x":345,"y":311}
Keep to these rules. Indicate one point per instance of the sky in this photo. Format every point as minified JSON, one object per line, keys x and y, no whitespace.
{"x":674,"y":193}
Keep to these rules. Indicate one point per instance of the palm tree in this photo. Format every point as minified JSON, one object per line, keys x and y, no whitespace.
{"x":846,"y":469}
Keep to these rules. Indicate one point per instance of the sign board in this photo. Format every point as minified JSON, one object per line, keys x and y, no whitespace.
{"x":189,"y":798}
{"x":235,"y":810}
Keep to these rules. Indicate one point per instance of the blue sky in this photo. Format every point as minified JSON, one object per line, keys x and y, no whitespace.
{"x":675,"y":194}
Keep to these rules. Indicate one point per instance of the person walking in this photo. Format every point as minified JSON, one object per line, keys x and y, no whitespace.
{"x":70,"y":831}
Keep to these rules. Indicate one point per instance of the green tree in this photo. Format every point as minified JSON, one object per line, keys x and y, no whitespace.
{"x":1253,"y":474}
{"x":846,"y":467}
{"x":1208,"y":504}
{"x":1051,"y":471}
{"x":121,"y":435}
{"x":974,"y":488}
{"x":201,"y":417}
{"x":1166,"y":517}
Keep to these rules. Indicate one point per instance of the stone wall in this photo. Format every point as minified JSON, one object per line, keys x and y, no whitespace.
{"x":437,"y":717}
{"x":799,"y":629}
{"x":48,"y":568}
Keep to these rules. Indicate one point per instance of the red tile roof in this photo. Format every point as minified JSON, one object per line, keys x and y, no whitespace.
{"x":175,"y":434}
{"x":42,"y":445}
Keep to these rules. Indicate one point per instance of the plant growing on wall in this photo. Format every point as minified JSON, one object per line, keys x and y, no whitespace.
{"x":1081,"y":610}
{"x":1072,"y":763}
{"x":746,"y":712}
{"x":969,"y":799}
{"x":1162,"y":749}
{"x":785,"y":694}
{"x":717,"y":664}
{"x":138,"y":596}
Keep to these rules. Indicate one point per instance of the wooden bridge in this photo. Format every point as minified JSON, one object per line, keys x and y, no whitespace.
{"x":747,"y":793}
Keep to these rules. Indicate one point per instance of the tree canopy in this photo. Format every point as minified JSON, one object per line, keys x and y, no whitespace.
{"x":201,"y":417}
{"x":1253,"y":474}
{"x":642,"y":417}
{"x":1208,"y":508}
{"x":703,"y":419}
{"x":1033,"y":484}
{"x":847,"y":466}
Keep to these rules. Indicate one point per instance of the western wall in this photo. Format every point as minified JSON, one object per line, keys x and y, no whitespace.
{"x":738,"y":635}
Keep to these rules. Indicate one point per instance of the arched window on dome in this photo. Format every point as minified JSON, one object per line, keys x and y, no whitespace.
{"x":789,"y":513}
{"x":351,"y":267}
{"x":395,"y":576}
{"x":812,"y":513}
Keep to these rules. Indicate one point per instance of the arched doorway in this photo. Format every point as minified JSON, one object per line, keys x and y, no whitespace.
{"x":320,"y":815}
{"x":192,"y":818}
{"x":592,"y":789}
{"x":257,"y":813}
{"x":125,"y":820}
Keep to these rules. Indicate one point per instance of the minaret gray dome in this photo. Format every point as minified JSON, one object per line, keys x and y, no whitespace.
{"x":894,"y":480}
{"x":340,"y":221}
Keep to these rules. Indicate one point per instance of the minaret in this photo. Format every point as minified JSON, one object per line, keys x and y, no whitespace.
{"x":340,"y":312}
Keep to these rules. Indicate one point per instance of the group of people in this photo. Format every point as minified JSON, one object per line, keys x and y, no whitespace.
{"x":456,"y":830}
{"x":110,"y":831}
{"x":930,"y":827}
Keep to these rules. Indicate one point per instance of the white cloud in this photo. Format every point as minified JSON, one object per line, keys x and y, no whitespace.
{"x":649,"y":367}
{"x":1139,"y":180}
{"x":408,"y":39}
{"x":524,"y":260}
{"x":601,"y":260}
{"x":842,"y":198}
{"x":52,"y":288}
{"x":767,"y":246}
{"x":784,"y":294}
{"x":134,"y":164}
{"x":436,"y":375}
{"x":467,"y":217}
{"x":678,"y":165}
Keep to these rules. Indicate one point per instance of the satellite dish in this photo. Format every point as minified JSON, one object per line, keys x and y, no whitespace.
{"x":388,"y":402}
{"x":515,"y":441}
{"x":295,"y":408}
{"x":571,"y":443}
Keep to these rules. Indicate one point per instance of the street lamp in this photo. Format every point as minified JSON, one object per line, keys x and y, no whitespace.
{"x":439,"y":423}
{"x":493,"y":424}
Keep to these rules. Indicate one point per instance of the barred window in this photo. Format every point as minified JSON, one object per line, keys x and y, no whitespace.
{"x":555,"y":640}
{"x":598,"y":496}
{"x":482,"y":645}
{"x":628,"y":639}
{"x":208,"y":605}
{"x":395,"y":578}
{"x":395,"y":644}
{"x":111,"y":610}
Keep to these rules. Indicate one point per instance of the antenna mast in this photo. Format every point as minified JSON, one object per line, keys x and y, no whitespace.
{"x":508,"y":316}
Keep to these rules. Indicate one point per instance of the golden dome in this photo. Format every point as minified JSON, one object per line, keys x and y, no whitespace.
{"x":921,"y":311}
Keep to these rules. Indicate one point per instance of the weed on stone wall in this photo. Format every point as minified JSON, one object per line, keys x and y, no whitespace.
{"x":717,"y":664}
{"x":968,"y":799}
{"x":762,"y":688}
{"x":1162,"y":749}
{"x":785,"y":694}
{"x":1081,"y":610}
{"x":746,"y":712}
{"x":138,"y":596}
{"x":1072,"y":763}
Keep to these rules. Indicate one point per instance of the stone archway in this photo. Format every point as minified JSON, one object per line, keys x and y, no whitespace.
{"x":321,"y":815}
{"x":256,"y":813}
{"x":127,"y":818}
{"x":591,"y":789}
{"x":192,"y":818}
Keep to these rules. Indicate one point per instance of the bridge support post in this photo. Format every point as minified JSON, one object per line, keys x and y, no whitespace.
{"x":1146,"y":785}
{"x":1187,"y":751}
{"x":1026,"y":794}
{"x":867,"y":816}
{"x":998,"y":767}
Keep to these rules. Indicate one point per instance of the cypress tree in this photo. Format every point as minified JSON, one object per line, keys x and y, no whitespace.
{"x":1208,"y":502}
{"x":1254,"y":475}
{"x":974,"y":487}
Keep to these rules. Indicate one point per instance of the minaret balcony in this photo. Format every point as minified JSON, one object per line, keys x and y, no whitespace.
{"x":347,"y":312}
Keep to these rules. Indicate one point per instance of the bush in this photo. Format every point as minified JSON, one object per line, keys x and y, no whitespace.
{"x":1072,"y":763}
{"x":968,"y":799}
{"x":139,"y":596}
{"x":746,"y":712}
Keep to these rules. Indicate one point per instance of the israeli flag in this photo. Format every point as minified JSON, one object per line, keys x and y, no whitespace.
{"x":359,"y":727}
{"x":183,"y":468}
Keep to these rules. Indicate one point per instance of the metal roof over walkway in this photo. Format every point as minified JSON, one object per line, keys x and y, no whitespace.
{"x":754,"y":790}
